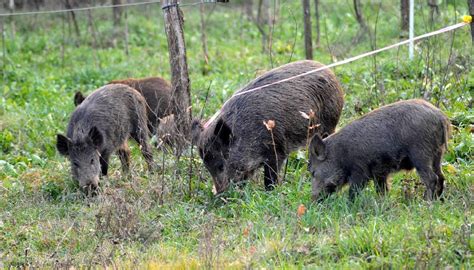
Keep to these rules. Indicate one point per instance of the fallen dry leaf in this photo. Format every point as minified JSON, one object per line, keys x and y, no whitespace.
{"x":301,"y":210}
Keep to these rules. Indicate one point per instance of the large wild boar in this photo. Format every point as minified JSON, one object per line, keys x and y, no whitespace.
{"x":157,"y":94}
{"x":400,"y":136}
{"x":236,"y":142}
{"x":101,"y":125}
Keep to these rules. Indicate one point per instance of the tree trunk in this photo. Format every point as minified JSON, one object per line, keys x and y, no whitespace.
{"x":248,"y":6}
{"x":117,"y":13}
{"x":260,"y":25}
{"x":94,"y":37}
{"x":11,"y":7}
{"x":4,"y":50}
{"x":308,"y":46}
{"x":126,"y":34}
{"x":205,"y":66}
{"x":68,"y":5}
{"x":181,"y":97}
{"x":318,"y":26}
{"x":434,"y":8}
{"x":358,"y":13}
{"x":404,"y":18}
{"x":470,"y":4}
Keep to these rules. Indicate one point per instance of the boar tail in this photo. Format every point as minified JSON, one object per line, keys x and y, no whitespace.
{"x":447,"y":131}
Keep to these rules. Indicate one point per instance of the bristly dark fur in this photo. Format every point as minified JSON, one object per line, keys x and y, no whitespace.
{"x":157,"y":94}
{"x":237,"y":142}
{"x":403,"y":135}
{"x":102,"y":124}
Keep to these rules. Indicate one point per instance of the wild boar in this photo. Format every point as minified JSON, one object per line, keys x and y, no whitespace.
{"x":101,"y":125}
{"x":236,"y":142}
{"x":400,"y":136}
{"x":157,"y":94}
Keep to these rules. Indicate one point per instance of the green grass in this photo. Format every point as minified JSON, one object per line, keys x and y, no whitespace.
{"x":167,"y":219}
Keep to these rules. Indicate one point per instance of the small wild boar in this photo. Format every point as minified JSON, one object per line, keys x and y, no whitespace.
{"x":101,"y":125}
{"x":400,"y":136}
{"x":236,"y":142}
{"x":157,"y":94}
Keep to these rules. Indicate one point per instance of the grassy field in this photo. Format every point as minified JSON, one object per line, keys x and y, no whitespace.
{"x":171,"y":218}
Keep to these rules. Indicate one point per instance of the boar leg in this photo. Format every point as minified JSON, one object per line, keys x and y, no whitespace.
{"x":358,"y":182}
{"x":141,"y":137}
{"x":124,"y":156}
{"x":380,"y":182}
{"x":270,"y":169}
{"x":430,"y":179}
{"x":423,"y":167}
{"x":439,"y":173}
{"x":104,"y":162}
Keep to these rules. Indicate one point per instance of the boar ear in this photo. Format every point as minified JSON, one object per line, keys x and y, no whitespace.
{"x":62,"y":144}
{"x":223,"y":131}
{"x":318,"y":148}
{"x":96,"y":137}
{"x":78,"y":98}
{"x":196,"y":129}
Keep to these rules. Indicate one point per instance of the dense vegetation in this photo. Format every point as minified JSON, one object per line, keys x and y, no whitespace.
{"x":171,"y":217}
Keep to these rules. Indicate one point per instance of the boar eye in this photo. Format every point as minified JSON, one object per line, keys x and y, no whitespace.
{"x":92,"y":161}
{"x":75,"y":164}
{"x":220,"y":167}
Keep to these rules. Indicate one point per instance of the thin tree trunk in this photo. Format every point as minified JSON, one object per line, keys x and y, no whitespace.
{"x":94,"y":37}
{"x":117,"y":13}
{"x":307,"y":30}
{"x":277,"y":11}
{"x":4,"y":49}
{"x":181,"y":97}
{"x":358,"y":13}
{"x":68,"y":5}
{"x":63,"y":42}
{"x":404,"y":18}
{"x":248,"y":7}
{"x":117,"y":17}
{"x":126,"y":33}
{"x":272,"y":28}
{"x":434,"y":9}
{"x":318,"y":26}
{"x":470,"y":4}
{"x":259,"y":22}
{"x":11,"y":6}
{"x":363,"y":29}
{"x":205,"y":66}
{"x":268,"y":11}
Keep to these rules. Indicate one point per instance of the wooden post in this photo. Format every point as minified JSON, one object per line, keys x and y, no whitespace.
{"x":308,"y":45}
{"x":181,"y":97}
{"x":470,"y":4}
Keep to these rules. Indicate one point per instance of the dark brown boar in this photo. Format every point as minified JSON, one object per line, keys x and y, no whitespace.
{"x":400,"y":136}
{"x":101,"y":125}
{"x":157,"y":94}
{"x":236,"y":142}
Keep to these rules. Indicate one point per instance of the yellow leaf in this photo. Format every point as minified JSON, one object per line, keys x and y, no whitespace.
{"x":451,"y":169}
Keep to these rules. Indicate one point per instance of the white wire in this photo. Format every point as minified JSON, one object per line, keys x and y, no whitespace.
{"x":437,"y":32}
{"x":94,"y":7}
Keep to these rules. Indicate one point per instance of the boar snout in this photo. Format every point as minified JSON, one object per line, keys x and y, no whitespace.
{"x":321,"y":190}
{"x":220,"y":186}
{"x":92,"y":188}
